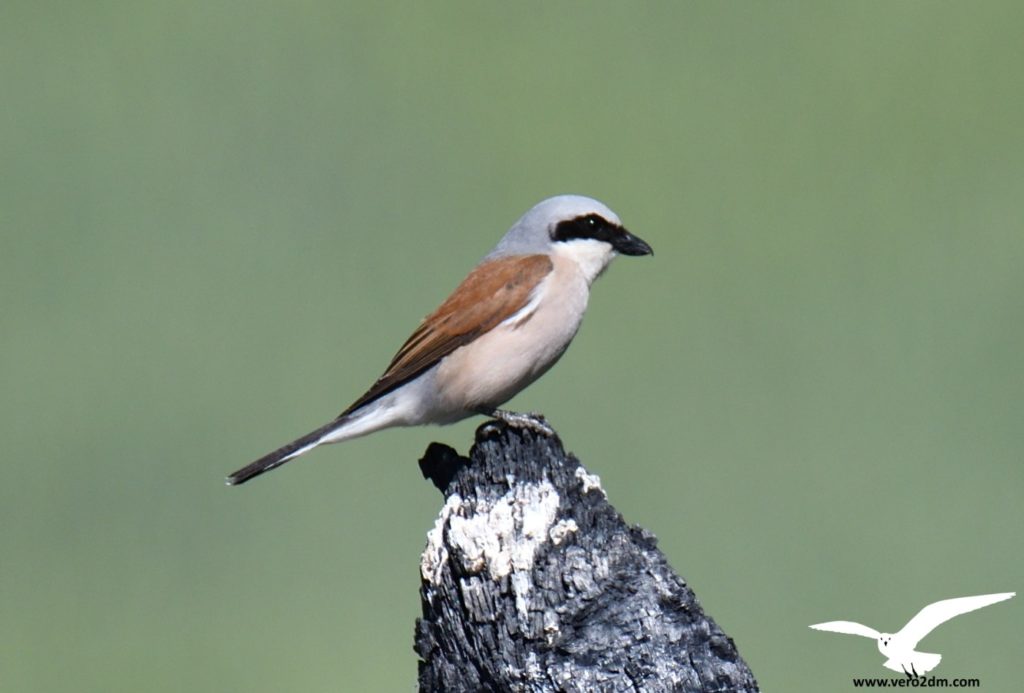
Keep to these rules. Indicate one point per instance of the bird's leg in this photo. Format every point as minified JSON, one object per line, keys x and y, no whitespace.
{"x":532,"y":421}
{"x":912,"y":674}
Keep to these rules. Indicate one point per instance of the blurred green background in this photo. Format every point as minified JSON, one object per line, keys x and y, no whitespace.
{"x":220,"y":219}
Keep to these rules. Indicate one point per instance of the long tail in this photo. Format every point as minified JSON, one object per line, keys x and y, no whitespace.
{"x":284,"y":453}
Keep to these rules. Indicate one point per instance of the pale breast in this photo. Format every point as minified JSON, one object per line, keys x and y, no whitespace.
{"x":497,"y":365}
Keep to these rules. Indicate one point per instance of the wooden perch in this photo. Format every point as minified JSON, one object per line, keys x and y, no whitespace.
{"x":532,"y":581}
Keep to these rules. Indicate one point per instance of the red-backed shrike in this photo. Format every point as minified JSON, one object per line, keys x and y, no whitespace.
{"x":503,"y":327}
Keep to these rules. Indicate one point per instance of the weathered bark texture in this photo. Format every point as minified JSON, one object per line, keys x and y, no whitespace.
{"x":532,"y":581}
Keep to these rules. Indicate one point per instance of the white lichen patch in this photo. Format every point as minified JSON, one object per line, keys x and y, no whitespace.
{"x":499,"y":538}
{"x":561,"y":530}
{"x":552,"y":626}
{"x":521,"y":588}
{"x":435,"y":555}
{"x":532,"y":670}
{"x":590,"y":482}
{"x":504,"y":536}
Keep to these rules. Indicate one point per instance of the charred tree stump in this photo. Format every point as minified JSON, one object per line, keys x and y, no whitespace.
{"x":532,"y":581}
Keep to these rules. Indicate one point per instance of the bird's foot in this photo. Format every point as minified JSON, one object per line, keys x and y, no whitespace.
{"x":531,"y":421}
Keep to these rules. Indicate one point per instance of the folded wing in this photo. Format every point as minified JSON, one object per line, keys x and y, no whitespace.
{"x":494,"y":291}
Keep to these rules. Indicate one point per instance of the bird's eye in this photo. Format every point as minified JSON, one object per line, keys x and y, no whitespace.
{"x":592,"y":222}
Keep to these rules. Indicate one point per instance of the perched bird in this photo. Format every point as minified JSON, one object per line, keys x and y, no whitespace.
{"x":899,"y":648}
{"x":502,"y":328}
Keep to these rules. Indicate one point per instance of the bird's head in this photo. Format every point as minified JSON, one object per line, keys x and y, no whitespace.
{"x":576,"y":227}
{"x":883,"y":642}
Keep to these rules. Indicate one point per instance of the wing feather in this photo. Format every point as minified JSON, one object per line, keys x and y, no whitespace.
{"x":492,"y":292}
{"x":848,"y":627}
{"x":932,"y":616}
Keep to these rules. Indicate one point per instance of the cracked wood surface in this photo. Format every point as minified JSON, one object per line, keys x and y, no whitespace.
{"x":532,"y":581}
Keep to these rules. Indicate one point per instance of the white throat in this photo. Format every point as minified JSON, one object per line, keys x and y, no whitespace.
{"x":591,"y":256}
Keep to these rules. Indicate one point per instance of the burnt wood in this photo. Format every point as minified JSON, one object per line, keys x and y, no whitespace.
{"x":532,"y":581}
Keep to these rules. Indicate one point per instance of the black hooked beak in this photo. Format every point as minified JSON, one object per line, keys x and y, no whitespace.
{"x":626,"y":243}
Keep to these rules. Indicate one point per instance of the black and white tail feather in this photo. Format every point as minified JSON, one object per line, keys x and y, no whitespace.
{"x":285,"y":453}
